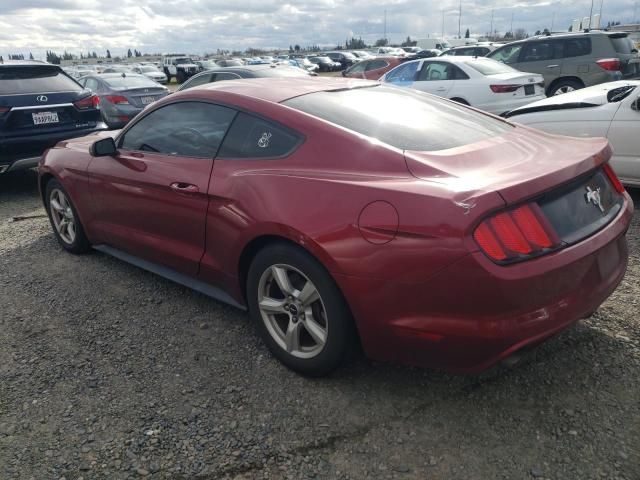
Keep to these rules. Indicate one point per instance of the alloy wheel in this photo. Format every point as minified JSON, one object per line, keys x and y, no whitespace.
{"x":292,"y":310}
{"x":62,"y":216}
{"x":564,"y":89}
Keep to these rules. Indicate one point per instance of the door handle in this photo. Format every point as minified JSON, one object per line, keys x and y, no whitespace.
{"x":553,"y":66}
{"x":184,"y":187}
{"x":441,"y":89}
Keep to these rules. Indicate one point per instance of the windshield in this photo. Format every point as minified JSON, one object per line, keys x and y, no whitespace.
{"x":489,"y":67}
{"x":404,"y":118}
{"x":130,"y":81}
{"x":35,"y":79}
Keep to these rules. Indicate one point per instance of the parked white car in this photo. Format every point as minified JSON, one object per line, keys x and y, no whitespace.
{"x":609,"y":110}
{"x":151,"y":72}
{"x":480,"y":82}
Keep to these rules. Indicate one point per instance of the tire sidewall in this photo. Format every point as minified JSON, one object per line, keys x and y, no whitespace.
{"x":340,"y":330}
{"x":565,"y":83}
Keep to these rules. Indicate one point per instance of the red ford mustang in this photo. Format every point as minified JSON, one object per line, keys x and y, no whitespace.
{"x":341,"y":209}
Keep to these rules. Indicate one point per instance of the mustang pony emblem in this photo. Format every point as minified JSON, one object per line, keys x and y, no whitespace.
{"x":593,"y":196}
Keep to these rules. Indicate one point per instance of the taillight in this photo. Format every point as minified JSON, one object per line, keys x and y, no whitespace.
{"x":117,"y":99}
{"x":4,"y":110}
{"x":92,"y":101}
{"x":516,"y":234}
{"x":613,"y":178}
{"x":504,"y":88}
{"x":610,"y":64}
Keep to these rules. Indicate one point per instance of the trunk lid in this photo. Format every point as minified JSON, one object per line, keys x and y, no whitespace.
{"x":518,"y":165}
{"x":141,"y":97}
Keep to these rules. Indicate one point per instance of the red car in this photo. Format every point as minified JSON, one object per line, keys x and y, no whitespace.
{"x":372,"y":69}
{"x":333,"y":209}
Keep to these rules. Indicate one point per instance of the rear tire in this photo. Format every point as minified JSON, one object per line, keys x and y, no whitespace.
{"x":298,"y":310}
{"x":64,"y":219}
{"x":564,"y":86}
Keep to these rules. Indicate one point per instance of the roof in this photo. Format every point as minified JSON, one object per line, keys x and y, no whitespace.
{"x":278,"y":90}
{"x":33,"y":63}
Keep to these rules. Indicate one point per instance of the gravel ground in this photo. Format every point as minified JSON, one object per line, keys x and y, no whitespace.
{"x":107,"y":371}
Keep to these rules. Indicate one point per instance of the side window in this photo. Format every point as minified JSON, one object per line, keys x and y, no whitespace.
{"x":403,"y":73}
{"x":481,"y":51}
{"x":225,"y":76}
{"x":252,"y":137}
{"x":189,"y":129}
{"x":376,"y":64}
{"x":197,"y":80}
{"x":508,"y":54}
{"x":576,"y":47}
{"x":434,"y":71}
{"x":92,"y":84}
{"x":358,"y":67}
{"x":539,"y":51}
{"x":456,"y":73}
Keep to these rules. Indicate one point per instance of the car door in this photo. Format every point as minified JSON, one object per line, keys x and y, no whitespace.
{"x":436,"y":77}
{"x":357,"y":70}
{"x":624,"y":138}
{"x":543,"y":57}
{"x":150,"y":200}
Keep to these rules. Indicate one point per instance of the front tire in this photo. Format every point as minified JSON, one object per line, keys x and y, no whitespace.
{"x":64,"y":219}
{"x":180,"y":77}
{"x":298,"y":310}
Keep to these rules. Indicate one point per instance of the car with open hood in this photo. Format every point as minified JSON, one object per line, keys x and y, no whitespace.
{"x":610,"y":110}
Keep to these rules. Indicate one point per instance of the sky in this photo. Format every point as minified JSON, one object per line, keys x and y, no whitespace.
{"x":199,"y":26}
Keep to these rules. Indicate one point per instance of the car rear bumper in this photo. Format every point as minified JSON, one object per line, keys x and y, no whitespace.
{"x":24,"y":152}
{"x":498,"y":106}
{"x":475,"y":313}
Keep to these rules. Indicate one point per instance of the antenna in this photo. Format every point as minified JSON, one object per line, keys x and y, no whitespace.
{"x":442,"y":38}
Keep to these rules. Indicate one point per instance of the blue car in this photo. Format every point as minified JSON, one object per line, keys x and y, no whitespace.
{"x":41,"y":105}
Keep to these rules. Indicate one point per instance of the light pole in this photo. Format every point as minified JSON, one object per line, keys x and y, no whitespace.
{"x":491,"y":31}
{"x":459,"y":18}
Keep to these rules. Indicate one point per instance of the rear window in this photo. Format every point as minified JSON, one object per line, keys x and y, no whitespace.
{"x":404,"y":118}
{"x":489,"y":67}
{"x":130,"y":81}
{"x":622,"y":44}
{"x":16,"y":80}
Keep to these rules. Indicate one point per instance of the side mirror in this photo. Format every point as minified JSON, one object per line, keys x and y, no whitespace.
{"x":636,"y":104}
{"x":105,"y":147}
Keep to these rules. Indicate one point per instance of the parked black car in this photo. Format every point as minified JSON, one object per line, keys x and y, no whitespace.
{"x":345,"y":59}
{"x":248,"y":71}
{"x":324,"y":63}
{"x":41,"y":105}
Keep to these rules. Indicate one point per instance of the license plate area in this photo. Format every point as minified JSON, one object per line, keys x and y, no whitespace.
{"x":147,"y":100}
{"x":44,"y":118}
{"x":582,"y":208}
{"x":529,"y":89}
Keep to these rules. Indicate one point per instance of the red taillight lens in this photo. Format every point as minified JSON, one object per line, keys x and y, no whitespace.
{"x":117,"y":99}
{"x":504,"y":88}
{"x":610,"y":64}
{"x":516,"y":234}
{"x":613,"y":178}
{"x":4,"y":110}
{"x":92,"y":101}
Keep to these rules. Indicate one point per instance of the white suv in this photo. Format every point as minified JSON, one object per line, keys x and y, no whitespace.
{"x":178,"y":66}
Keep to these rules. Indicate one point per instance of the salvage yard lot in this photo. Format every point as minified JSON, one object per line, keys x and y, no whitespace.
{"x":107,"y":371}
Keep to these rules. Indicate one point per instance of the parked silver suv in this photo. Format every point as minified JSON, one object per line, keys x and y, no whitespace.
{"x":573,"y":60}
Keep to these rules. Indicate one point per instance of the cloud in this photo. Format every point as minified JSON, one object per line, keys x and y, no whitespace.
{"x":198,"y":26}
